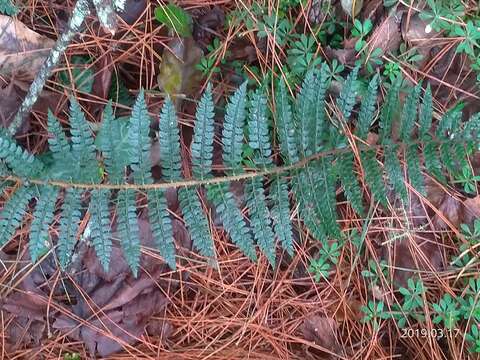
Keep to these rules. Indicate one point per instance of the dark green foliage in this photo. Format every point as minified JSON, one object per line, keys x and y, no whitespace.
{"x":42,"y":218}
{"x":161,"y":225}
{"x":347,"y":97}
{"x":100,"y":226}
{"x":69,"y":223}
{"x":394,"y":169}
{"x":202,"y":145}
{"x":285,"y":124}
{"x":260,"y":220}
{"x":281,"y":213}
{"x":374,"y":176}
{"x":13,"y":212}
{"x":232,"y":218}
{"x":121,"y":155}
{"x":196,"y":221}
{"x":232,"y":135}
{"x":127,"y":228}
{"x":345,"y":171}
{"x":367,"y":109}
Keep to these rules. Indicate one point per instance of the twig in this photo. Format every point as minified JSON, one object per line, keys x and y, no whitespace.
{"x":80,"y":12}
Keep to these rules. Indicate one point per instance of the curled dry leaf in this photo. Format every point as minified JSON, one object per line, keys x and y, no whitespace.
{"x":387,"y":36}
{"x":322,"y":331}
{"x":22,"y":51}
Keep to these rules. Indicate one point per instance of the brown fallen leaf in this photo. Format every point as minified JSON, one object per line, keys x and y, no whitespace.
{"x":322,"y":331}
{"x":387,"y":36}
{"x":22,"y":50}
{"x":206,"y":26}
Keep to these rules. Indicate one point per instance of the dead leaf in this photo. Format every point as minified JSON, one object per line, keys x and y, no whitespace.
{"x":22,"y":51}
{"x":133,"y":10}
{"x":205,"y":26}
{"x":387,"y":36}
{"x":352,"y":7}
{"x":322,"y":331}
{"x":472,"y":209}
{"x":177,"y":73}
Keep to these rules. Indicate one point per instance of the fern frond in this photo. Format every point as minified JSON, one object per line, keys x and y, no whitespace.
{"x":325,"y":180}
{"x":21,"y":162}
{"x":196,"y":221}
{"x":100,"y":228}
{"x":260,"y":220}
{"x":114,"y":145}
{"x":232,"y":218}
{"x":393,"y":168}
{"x":83,"y":148}
{"x":447,"y":158}
{"x":389,"y":110}
{"x":57,"y":141}
{"x":202,"y":144}
{"x":12,"y":213}
{"x":305,"y":111}
{"x":128,"y":229}
{"x":307,"y":205}
{"x":347,"y":98}
{"x":258,"y":134}
{"x":140,"y":142}
{"x":431,"y":158}
{"x":449,"y":123}
{"x":426,"y":113}
{"x":317,"y":126}
{"x":42,"y":218}
{"x":69,"y":224}
{"x":367,"y":109}
{"x":282,"y":226}
{"x":413,"y":166}
{"x":409,"y":114}
{"x":161,"y":225}
{"x":285,"y":124}
{"x":169,"y":139}
{"x":374,"y":176}
{"x":233,"y":124}
{"x":351,"y":187}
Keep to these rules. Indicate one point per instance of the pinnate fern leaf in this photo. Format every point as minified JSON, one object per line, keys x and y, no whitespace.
{"x":393,"y":168}
{"x":13,"y":211}
{"x":232,"y":218}
{"x":346,"y":174}
{"x":306,"y":111}
{"x":42,"y":218}
{"x":258,"y":134}
{"x":128,"y":229}
{"x":140,"y":142}
{"x":202,"y":144}
{"x":367,"y":109}
{"x":409,"y":114}
{"x":161,"y":225}
{"x":346,"y":100}
{"x":233,"y":125}
{"x":280,"y":211}
{"x":374,"y":176}
{"x":317,"y":124}
{"x":69,"y":224}
{"x":196,"y":221}
{"x":260,"y":220}
{"x":100,"y":226}
{"x":285,"y":124}
{"x":169,"y":139}
{"x":414,"y":172}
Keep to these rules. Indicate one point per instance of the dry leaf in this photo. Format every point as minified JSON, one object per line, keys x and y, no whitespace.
{"x":387,"y":35}
{"x":322,"y":331}
{"x":22,"y":51}
{"x":352,"y":7}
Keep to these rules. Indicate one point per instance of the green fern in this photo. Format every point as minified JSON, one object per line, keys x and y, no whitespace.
{"x":128,"y":229}
{"x":69,"y":224}
{"x":202,"y":144}
{"x":13,"y":212}
{"x":100,"y":226}
{"x":367,"y":109}
{"x":232,"y":134}
{"x":285,"y":124}
{"x":42,"y":218}
{"x":122,"y":149}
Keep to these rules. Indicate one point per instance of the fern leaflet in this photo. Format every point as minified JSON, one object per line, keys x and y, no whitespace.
{"x":42,"y":218}
{"x":285,"y":125}
{"x":128,"y":229}
{"x":367,"y":109}
{"x":281,"y":213}
{"x":69,"y":224}
{"x":100,"y":226}
{"x":346,"y":100}
{"x":13,"y":212}
{"x":345,"y":171}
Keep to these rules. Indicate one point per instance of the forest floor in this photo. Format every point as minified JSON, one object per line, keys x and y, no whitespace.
{"x":245,"y":310}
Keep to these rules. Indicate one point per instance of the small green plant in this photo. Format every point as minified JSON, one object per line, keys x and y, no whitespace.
{"x":447,"y":312}
{"x":275,"y":28}
{"x":391,"y":71}
{"x":320,"y":268}
{"x":82,"y":75}
{"x":473,"y":337}
{"x":302,"y":54}
{"x":468,"y":179}
{"x":361,"y":30}
{"x":374,"y":312}
{"x":175,"y":19}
